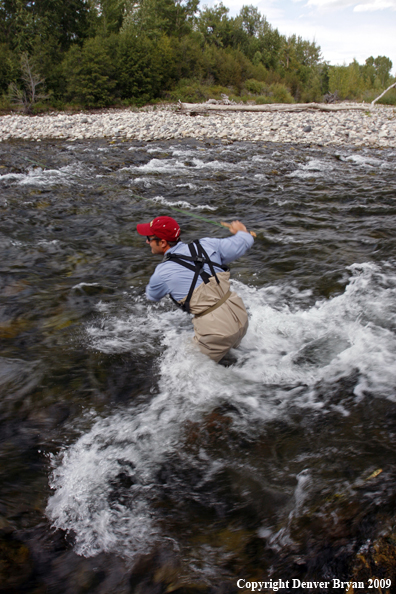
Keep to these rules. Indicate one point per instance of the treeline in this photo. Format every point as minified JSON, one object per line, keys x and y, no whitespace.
{"x":96,"y":53}
{"x":363,"y":81}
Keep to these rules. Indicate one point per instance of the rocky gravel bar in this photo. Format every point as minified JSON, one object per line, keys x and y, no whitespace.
{"x":374,"y":127}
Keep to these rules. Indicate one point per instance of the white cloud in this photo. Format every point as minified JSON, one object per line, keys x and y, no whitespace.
{"x":368,"y":5}
{"x":334,"y":4}
{"x":376,"y":5}
{"x":341,"y":40}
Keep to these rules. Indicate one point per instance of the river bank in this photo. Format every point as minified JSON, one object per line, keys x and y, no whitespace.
{"x":375,"y":127}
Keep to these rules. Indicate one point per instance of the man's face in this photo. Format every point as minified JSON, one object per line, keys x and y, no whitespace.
{"x":158,"y":246}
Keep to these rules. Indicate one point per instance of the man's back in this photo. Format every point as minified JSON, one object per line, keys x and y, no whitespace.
{"x":171,"y":277}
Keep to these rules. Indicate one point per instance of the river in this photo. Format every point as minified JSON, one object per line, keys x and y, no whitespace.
{"x":132,"y":463}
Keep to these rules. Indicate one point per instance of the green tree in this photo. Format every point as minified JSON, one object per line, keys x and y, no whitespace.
{"x":383,"y":66}
{"x":9,"y":67}
{"x":214,"y":25}
{"x":145,"y":66}
{"x":338,"y":80}
{"x":109,"y":15}
{"x":346,"y":80}
{"x":307,"y":52}
{"x":227,"y":67}
{"x":270,"y":46}
{"x":48,"y":56}
{"x":17,"y":24}
{"x":188,"y":57}
{"x":251,"y":20}
{"x":324,"y":78}
{"x":255,"y":36}
{"x":21,"y":21}
{"x":90,"y":73}
{"x":369,"y":72}
{"x":376,"y":71}
{"x":154,"y":18}
{"x":288,"y":53}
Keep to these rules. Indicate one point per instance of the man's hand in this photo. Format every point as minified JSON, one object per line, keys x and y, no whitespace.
{"x":235,"y":226}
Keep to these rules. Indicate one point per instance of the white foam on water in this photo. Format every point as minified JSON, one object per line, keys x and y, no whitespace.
{"x":117,"y":334}
{"x":363,"y":160}
{"x":48,"y":242}
{"x":185,"y":153}
{"x":190,"y":186}
{"x":12,"y":176}
{"x":46,"y":177}
{"x":283,"y":537}
{"x":82,"y":501}
{"x":82,"y":285}
{"x":142,"y":180}
{"x":293,"y":352}
{"x":313,"y":168}
{"x":174,"y":166}
{"x":351,"y":332}
{"x":181,"y":204}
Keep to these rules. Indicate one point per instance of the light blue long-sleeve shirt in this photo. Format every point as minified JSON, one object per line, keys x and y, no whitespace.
{"x":174,"y":279}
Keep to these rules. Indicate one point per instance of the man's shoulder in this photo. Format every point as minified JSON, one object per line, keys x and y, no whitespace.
{"x":210,"y":241}
{"x":160,"y":269}
{"x":182,"y":248}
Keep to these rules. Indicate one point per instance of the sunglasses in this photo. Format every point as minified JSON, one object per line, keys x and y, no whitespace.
{"x":149,"y":239}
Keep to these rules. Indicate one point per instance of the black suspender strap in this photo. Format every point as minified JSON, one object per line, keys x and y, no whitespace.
{"x":202,"y":252}
{"x":199,"y":264}
{"x":195,"y":263}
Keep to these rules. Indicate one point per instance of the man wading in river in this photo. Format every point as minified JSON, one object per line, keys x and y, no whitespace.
{"x":197,"y":279}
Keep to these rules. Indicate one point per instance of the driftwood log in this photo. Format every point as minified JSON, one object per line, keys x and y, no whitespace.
{"x":195,"y":108}
{"x":205,"y":107}
{"x":382,"y":94}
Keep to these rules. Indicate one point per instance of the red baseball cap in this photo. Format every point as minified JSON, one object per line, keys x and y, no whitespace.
{"x":162,"y":227}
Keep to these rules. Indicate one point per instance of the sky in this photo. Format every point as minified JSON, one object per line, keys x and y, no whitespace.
{"x":344,"y":29}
